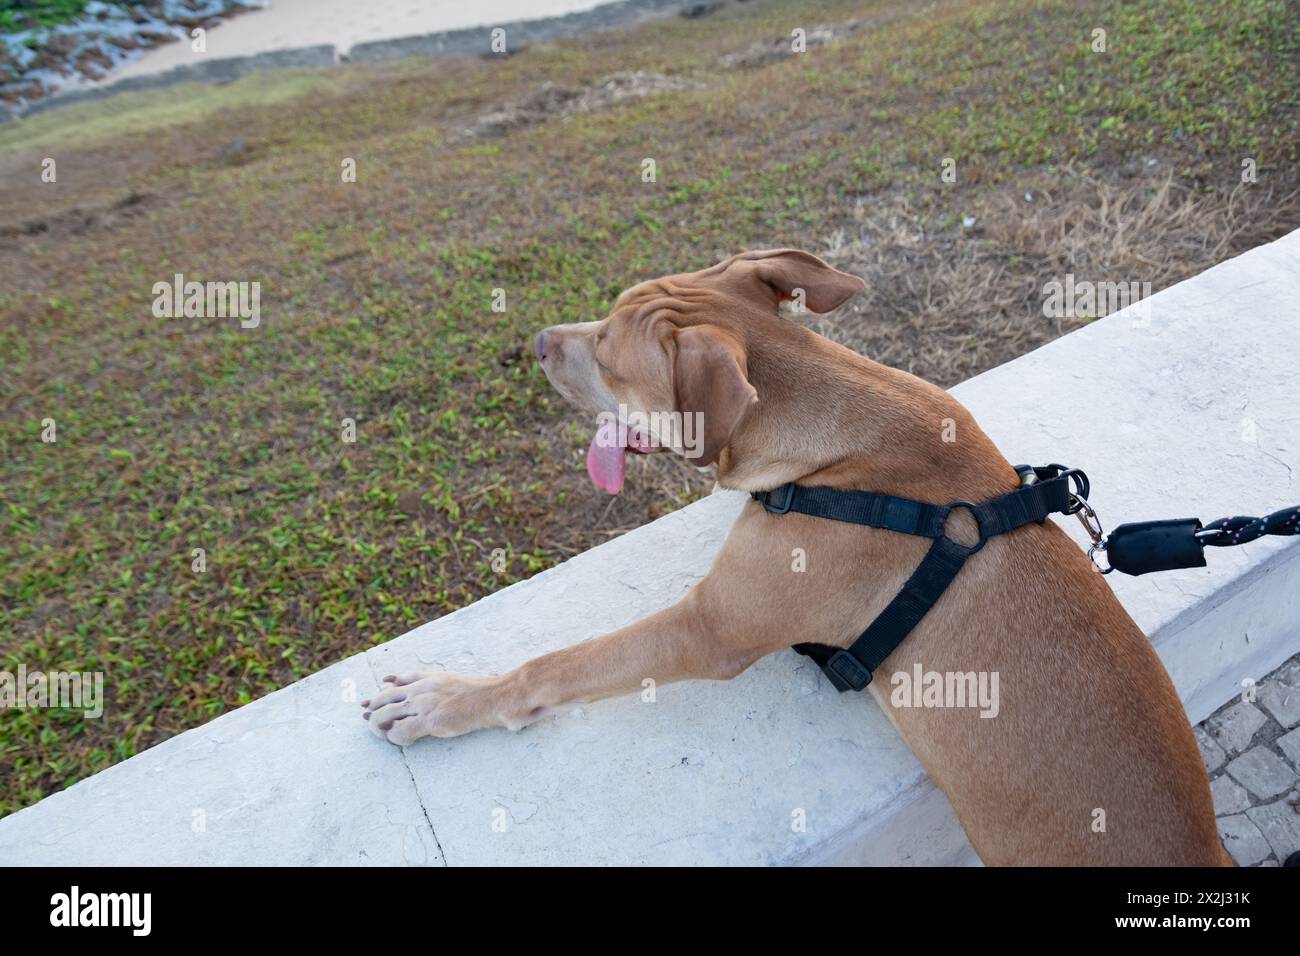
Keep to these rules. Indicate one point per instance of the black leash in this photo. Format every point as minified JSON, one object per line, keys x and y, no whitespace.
{"x":1145,"y":546}
{"x":1137,"y":548}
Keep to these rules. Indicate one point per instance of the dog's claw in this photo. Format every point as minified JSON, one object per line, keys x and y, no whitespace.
{"x":442,"y":705}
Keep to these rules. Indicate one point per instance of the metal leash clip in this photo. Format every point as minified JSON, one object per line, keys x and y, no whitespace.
{"x":1087,"y":516}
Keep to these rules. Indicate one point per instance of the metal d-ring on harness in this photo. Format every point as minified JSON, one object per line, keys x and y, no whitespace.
{"x":1043,"y":491}
{"x":1052,"y":489}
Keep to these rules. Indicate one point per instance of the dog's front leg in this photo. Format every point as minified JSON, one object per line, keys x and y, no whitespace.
{"x":674,"y":644}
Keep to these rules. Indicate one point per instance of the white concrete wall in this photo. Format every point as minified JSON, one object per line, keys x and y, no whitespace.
{"x":1155,"y":409}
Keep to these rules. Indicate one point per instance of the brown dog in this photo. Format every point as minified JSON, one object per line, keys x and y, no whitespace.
{"x":1090,"y":758}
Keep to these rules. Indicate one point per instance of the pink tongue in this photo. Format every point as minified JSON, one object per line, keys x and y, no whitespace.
{"x":605,"y":458}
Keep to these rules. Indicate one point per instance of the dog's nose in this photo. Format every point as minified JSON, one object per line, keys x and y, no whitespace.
{"x":540,"y":344}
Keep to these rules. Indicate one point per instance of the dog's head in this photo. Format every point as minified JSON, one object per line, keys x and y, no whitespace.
{"x":668,"y":368}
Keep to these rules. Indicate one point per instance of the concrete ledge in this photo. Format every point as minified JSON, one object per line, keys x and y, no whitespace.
{"x":1197,"y":389}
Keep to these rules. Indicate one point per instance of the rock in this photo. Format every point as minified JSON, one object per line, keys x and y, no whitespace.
{"x":1279,"y":694}
{"x":1235,"y":726}
{"x":93,"y":61}
{"x":1290,"y":744}
{"x":62,"y":44}
{"x":693,"y":11}
{"x":1279,"y":824}
{"x":233,"y":151}
{"x":1229,"y":797}
{"x":1243,"y":841}
{"x":1212,"y":754}
{"x":1262,"y":772}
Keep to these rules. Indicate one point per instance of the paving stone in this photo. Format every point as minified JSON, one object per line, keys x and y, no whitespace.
{"x":1279,"y":694}
{"x":1234,"y":726}
{"x":1262,"y":772}
{"x":1229,"y":796}
{"x":1243,"y":841}
{"x":1212,"y":754}
{"x":1290,"y":744}
{"x":1279,"y":824}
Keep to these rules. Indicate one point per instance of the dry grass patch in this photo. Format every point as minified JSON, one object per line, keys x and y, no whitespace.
{"x":947,"y":301}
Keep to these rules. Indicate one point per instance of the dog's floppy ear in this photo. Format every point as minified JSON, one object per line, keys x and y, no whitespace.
{"x":709,"y":379}
{"x":788,"y":270}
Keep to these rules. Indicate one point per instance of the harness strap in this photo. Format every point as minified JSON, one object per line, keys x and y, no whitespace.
{"x":1043,"y":491}
{"x":851,"y":669}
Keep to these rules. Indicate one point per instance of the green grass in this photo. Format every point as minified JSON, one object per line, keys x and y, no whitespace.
{"x":22,"y":14}
{"x":142,"y":113}
{"x":376,"y":304}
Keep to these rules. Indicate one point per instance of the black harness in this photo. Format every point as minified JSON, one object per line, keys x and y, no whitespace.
{"x":1137,"y":548}
{"x":1053,"y":489}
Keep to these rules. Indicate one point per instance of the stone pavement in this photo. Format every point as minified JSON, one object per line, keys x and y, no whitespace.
{"x":1251,"y":747}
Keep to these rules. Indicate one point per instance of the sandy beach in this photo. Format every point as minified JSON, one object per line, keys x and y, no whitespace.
{"x":286,"y":24}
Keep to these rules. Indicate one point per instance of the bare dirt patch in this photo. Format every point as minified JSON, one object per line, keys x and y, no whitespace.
{"x":80,"y":221}
{"x":554,"y":100}
{"x":771,"y":50}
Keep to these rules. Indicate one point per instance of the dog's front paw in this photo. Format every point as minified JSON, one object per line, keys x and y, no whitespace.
{"x":432,"y":704}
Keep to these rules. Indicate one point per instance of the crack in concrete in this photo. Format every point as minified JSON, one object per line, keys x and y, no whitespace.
{"x":415,"y":787}
{"x":423,"y":809}
{"x":1290,"y":474}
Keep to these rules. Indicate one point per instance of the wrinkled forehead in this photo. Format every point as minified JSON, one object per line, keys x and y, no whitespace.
{"x":643,"y":309}
{"x":686,"y":298}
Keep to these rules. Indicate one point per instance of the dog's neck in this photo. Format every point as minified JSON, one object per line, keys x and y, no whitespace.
{"x":828,"y":416}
